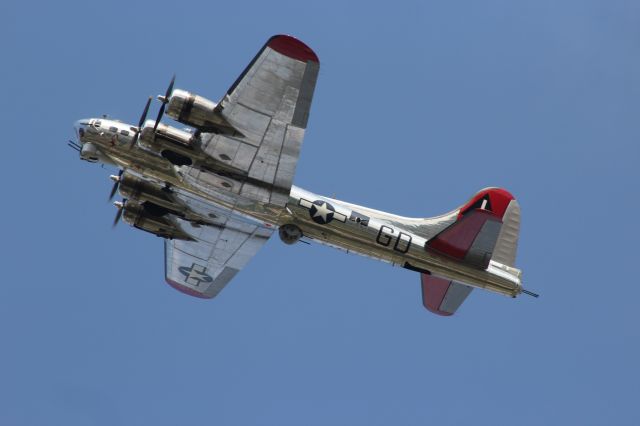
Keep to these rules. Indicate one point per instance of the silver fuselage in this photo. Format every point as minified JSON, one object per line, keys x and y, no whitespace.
{"x":356,"y":229}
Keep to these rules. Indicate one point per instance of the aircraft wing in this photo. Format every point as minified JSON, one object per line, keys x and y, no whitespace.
{"x":268,"y":108}
{"x":203,"y":267}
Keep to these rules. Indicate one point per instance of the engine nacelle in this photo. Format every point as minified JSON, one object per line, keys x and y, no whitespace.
{"x":157,"y":200}
{"x":196,"y":111}
{"x":138,"y":216}
{"x":174,"y":144}
{"x":134,"y":187}
{"x":191,"y":109}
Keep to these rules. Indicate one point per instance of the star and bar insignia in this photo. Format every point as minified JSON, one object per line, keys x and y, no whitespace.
{"x":195,"y":274}
{"x":322,"y":212}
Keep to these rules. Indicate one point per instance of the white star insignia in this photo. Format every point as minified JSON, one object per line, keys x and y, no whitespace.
{"x":322,"y":211}
{"x":197,"y":275}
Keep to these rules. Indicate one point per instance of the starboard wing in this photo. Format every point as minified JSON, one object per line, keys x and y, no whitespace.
{"x":268,"y":107}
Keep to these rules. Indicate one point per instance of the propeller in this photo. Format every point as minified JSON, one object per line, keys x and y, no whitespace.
{"x":164,"y":99}
{"x":143,"y":117}
{"x":120,"y":206}
{"x":116,"y":183}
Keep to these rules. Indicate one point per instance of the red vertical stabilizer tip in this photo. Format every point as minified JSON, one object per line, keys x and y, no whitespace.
{"x":292,"y":47}
{"x":494,"y":199}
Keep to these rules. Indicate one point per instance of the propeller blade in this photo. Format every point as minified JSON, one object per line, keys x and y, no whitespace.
{"x":143,"y":117}
{"x":117,"y":218}
{"x":134,"y":139}
{"x":120,"y":206}
{"x":144,"y":113}
{"x":164,"y":99}
{"x":167,"y":95}
{"x":116,"y":184}
{"x":160,"y":113}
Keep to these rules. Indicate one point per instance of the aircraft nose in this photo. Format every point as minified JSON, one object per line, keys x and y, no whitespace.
{"x":80,"y":127}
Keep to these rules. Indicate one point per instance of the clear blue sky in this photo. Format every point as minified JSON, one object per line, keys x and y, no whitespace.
{"x":418,"y":106}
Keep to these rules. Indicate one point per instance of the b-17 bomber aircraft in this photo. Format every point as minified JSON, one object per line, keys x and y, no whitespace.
{"x":218,"y":190}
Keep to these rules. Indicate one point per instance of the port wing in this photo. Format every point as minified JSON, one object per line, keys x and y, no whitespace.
{"x":202,"y":268}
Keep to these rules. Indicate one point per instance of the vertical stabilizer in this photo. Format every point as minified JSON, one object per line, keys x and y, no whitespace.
{"x":486,"y":229}
{"x":484,"y":235}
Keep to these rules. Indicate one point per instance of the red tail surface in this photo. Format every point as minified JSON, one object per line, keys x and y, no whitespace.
{"x":487,"y":228}
{"x":472,"y":238}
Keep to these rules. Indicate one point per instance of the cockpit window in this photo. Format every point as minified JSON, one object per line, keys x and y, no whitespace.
{"x":113,"y":129}
{"x":97,"y":123}
{"x":124,"y":132}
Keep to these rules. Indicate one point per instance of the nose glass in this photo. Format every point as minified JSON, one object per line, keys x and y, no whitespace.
{"x":80,"y":127}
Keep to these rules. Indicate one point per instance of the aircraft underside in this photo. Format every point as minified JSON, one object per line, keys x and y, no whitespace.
{"x":217,"y":191}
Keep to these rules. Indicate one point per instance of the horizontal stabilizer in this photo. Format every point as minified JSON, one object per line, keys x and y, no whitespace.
{"x":442,"y":296}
